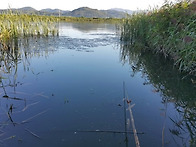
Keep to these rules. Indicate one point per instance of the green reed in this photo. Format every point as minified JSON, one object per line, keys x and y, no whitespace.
{"x":13,"y":26}
{"x":169,"y":30}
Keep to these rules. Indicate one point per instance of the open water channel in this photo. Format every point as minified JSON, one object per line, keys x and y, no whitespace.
{"x":68,"y":91}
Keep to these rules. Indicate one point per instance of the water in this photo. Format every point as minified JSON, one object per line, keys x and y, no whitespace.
{"x":62,"y":91}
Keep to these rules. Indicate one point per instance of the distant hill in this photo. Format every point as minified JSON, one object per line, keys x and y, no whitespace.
{"x":26,"y":9}
{"x":87,"y":12}
{"x":53,"y":12}
{"x":123,"y":10}
{"x":80,"y":12}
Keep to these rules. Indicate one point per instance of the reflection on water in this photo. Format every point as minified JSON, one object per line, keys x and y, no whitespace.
{"x":87,"y":27}
{"x":176,"y":88}
{"x":67,"y":91}
{"x":83,"y":37}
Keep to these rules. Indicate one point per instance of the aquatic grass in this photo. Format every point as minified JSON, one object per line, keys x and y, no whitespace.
{"x":169,"y":30}
{"x":13,"y":26}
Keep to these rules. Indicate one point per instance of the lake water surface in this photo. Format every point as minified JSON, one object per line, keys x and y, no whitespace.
{"x":68,"y":91}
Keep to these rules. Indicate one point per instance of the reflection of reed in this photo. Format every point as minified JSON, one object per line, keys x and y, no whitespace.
{"x":164,"y":124}
{"x":175,"y":87}
{"x":185,"y":124}
{"x":18,"y":52}
{"x":125,"y":115}
{"x":21,"y":51}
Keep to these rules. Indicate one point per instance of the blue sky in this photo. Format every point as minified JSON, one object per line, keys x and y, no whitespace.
{"x":73,"y":4}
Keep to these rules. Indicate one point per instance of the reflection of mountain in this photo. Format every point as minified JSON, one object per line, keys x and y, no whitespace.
{"x":88,"y":27}
{"x":176,"y":88}
{"x":80,"y":12}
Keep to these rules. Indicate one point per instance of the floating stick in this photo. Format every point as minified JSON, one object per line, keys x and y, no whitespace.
{"x":29,"y":106}
{"x":40,"y":94}
{"x":131,"y":116}
{"x":25,"y":121}
{"x":35,"y":135}
{"x":11,"y":137}
{"x":108,"y":131}
{"x":133,"y":126}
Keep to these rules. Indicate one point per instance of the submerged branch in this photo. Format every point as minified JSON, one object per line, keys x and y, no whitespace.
{"x":25,"y":121}
{"x":35,"y":135}
{"x":109,"y":131}
{"x":29,"y":106}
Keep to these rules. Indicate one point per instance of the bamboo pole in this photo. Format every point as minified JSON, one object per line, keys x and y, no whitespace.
{"x":131,"y":116}
{"x":133,"y":125}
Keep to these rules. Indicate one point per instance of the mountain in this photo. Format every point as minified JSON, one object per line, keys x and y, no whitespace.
{"x":80,"y":12}
{"x":123,"y":10}
{"x":26,"y":9}
{"x":52,"y":11}
{"x":114,"y":13}
{"x":87,"y":12}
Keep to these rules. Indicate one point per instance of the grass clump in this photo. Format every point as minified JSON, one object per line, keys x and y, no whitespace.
{"x":169,"y":30}
{"x":13,"y":26}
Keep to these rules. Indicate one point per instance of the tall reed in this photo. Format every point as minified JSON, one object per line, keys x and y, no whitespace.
{"x":169,"y":30}
{"x":13,"y":26}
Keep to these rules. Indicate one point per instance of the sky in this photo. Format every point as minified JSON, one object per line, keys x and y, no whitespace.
{"x":74,"y":4}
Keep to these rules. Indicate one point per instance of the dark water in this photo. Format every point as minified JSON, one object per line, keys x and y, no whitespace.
{"x":68,"y":91}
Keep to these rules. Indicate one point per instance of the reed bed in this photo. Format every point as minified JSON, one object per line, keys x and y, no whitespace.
{"x":169,"y":30}
{"x":14,"y":26}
